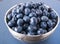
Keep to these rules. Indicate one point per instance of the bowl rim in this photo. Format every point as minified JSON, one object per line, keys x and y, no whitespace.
{"x":24,"y":34}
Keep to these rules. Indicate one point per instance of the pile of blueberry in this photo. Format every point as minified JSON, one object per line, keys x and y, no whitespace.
{"x":32,"y":18}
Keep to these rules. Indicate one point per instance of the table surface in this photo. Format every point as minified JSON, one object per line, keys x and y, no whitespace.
{"x":7,"y":38}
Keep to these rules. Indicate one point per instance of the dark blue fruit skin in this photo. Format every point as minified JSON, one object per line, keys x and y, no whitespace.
{"x":9,"y":17}
{"x":38,"y":12}
{"x":33,"y":10}
{"x":19,"y":16}
{"x":32,"y":28}
{"x":32,"y":33}
{"x":43,"y":25}
{"x":18,"y":29}
{"x":27,"y":11}
{"x":14,"y":12}
{"x":11,"y":23}
{"x":20,"y":22}
{"x":32,"y":14}
{"x":41,"y":31}
{"x":26,"y":19}
{"x":44,"y":18}
{"x":45,"y":13}
{"x":33,"y":21}
{"x":49,"y":23}
{"x":25,"y":26}
{"x":53,"y":15}
{"x":20,"y":9}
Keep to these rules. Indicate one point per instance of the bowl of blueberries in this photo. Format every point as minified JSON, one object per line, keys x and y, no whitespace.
{"x":31,"y":21}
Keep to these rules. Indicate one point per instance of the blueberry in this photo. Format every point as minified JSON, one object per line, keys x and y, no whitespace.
{"x":20,"y":22}
{"x":49,"y":23}
{"x":41,"y":7}
{"x":33,"y":10}
{"x":53,"y":15}
{"x":14,"y":18}
{"x":20,"y":9}
{"x":14,"y":12}
{"x":19,"y":16}
{"x":27,"y":11}
{"x":26,"y":19}
{"x":43,"y":25}
{"x":38,"y":12}
{"x":9,"y":17}
{"x":18,"y":29}
{"x":32,"y":14}
{"x":32,"y":33}
{"x":25,"y":26}
{"x":44,"y":18}
{"x":28,"y":5}
{"x":11,"y":23}
{"x":45,"y":13}
{"x":32,"y":28}
{"x":33,"y":21}
{"x":49,"y":29}
{"x":49,"y":9}
{"x":41,"y":31}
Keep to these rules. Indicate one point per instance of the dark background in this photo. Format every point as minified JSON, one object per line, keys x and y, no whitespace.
{"x":7,"y":38}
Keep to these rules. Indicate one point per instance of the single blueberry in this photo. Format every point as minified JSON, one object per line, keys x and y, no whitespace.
{"x":18,"y":29}
{"x":19,"y":16}
{"x":32,"y":28}
{"x":32,"y":33}
{"x":49,"y":23}
{"x":32,"y":14}
{"x":41,"y":31}
{"x":38,"y":12}
{"x":14,"y":12}
{"x":45,"y":13}
{"x":33,"y":21}
{"x":9,"y":17}
{"x":20,"y":22}
{"x":44,"y":18}
{"x":49,"y":9}
{"x":11,"y":23}
{"x":25,"y":26}
{"x":27,"y":11}
{"x":33,"y":10}
{"x":53,"y":15}
{"x":26,"y":19}
{"x":43,"y":25}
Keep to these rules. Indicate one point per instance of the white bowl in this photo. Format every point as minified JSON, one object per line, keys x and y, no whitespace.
{"x":30,"y":38}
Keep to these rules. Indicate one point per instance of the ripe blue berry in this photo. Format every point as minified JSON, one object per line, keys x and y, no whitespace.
{"x":43,"y":25}
{"x":41,"y":31}
{"x":18,"y":29}
{"x":19,"y":16}
{"x":53,"y":15}
{"x":32,"y":14}
{"x":9,"y":17}
{"x":26,"y":19}
{"x":38,"y":12}
{"x":32,"y":28}
{"x":20,"y":22}
{"x":49,"y":23}
{"x":32,"y":33}
{"x":33,"y":21}
{"x":27,"y":11}
{"x":44,"y":18}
